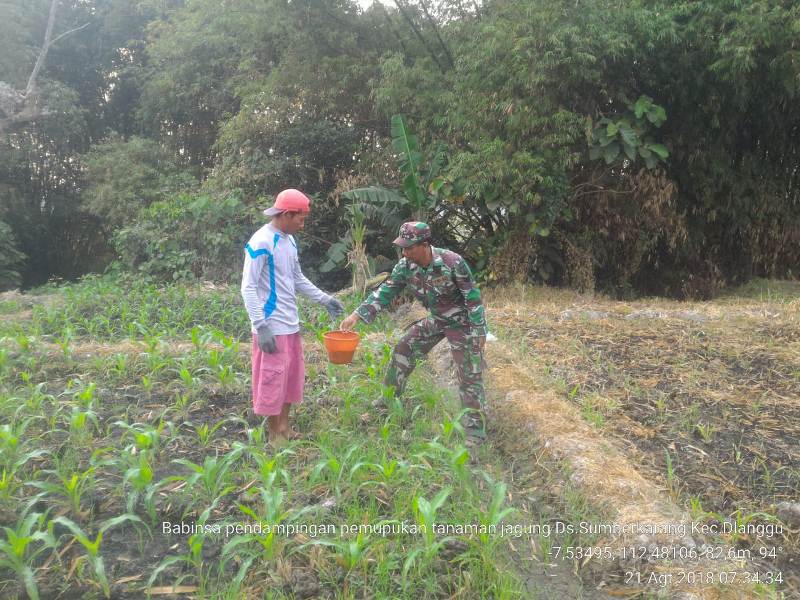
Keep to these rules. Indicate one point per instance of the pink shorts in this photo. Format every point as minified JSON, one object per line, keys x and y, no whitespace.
{"x":278,"y":377}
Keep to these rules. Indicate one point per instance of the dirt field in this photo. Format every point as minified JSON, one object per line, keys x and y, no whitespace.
{"x":702,"y":398}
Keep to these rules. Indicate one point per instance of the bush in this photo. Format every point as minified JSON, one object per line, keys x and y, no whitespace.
{"x":187,"y":236}
{"x":11,"y":259}
{"x":124,"y":176}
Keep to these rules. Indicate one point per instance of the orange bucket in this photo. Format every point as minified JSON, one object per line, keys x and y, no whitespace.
{"x":341,"y":345}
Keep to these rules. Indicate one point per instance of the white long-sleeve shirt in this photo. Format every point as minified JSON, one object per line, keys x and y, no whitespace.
{"x":271,"y":280}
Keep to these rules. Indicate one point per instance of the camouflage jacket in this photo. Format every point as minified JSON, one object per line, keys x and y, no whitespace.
{"x":445,"y":288}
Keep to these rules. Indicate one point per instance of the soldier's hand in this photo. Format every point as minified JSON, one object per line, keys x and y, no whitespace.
{"x":349,"y":322}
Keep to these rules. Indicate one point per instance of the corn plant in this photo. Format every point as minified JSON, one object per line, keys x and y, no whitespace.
{"x":333,"y":468}
{"x":9,"y":484}
{"x":425,"y":513}
{"x":92,"y":547}
{"x":71,"y":488}
{"x":119,"y":368}
{"x":390,"y":472}
{"x":13,"y":455}
{"x":22,"y":545}
{"x":671,"y":482}
{"x":86,"y":396}
{"x":64,"y":341}
{"x":80,"y":421}
{"x":137,"y":482}
{"x":38,"y":397}
{"x":271,"y":468}
{"x":457,"y":459}
{"x":451,"y":426}
{"x":145,"y":437}
{"x":262,"y":543}
{"x":386,"y":428}
{"x":349,"y":553}
{"x":696,"y":508}
{"x":211,"y":477}
{"x":494,"y":514}
{"x":706,"y":431}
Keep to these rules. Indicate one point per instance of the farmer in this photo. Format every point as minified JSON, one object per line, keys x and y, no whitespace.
{"x":442,"y":281}
{"x":270,"y":280}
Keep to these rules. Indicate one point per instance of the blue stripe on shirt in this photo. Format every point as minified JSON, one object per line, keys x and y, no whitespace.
{"x":272,"y":301}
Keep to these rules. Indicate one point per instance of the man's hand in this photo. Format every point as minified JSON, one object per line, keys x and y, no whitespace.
{"x":349,"y":322}
{"x":266,"y":339}
{"x":334,"y":307}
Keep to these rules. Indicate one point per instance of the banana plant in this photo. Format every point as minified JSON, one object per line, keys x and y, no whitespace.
{"x":389,"y":208}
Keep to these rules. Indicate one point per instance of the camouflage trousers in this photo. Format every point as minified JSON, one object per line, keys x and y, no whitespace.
{"x":467,"y":357}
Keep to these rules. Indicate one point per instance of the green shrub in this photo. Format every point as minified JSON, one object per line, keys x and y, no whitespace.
{"x":187,"y":236}
{"x":11,"y":259}
{"x":124,"y":176}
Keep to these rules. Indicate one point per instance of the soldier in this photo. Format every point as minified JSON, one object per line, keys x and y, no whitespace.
{"x":442,"y":281}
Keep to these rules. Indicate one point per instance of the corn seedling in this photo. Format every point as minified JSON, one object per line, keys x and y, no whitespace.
{"x":386,"y":429}
{"x":22,"y":545}
{"x":145,"y":437}
{"x":80,"y":421}
{"x":12,"y":453}
{"x":493,"y":516}
{"x":64,"y":341}
{"x":119,"y":366}
{"x":389,"y":471}
{"x":425,"y":513}
{"x":333,"y":468}
{"x":211,"y":477}
{"x":696,"y":508}
{"x":457,"y":459}
{"x":349,"y":554}
{"x":706,"y":431}
{"x":86,"y":397}
{"x":71,"y":488}
{"x":671,"y":482}
{"x":271,"y":467}
{"x":92,"y":547}
{"x":260,"y":542}
{"x":451,"y":426}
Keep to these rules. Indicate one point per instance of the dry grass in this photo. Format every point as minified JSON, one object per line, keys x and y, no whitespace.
{"x":714,"y":384}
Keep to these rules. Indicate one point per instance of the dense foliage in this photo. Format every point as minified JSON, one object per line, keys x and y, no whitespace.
{"x":651,"y":146}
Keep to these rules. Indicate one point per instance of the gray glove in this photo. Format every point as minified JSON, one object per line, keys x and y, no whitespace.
{"x":266,"y":339}
{"x":334,"y":307}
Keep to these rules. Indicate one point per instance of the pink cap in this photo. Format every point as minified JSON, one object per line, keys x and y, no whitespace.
{"x":289,"y":200}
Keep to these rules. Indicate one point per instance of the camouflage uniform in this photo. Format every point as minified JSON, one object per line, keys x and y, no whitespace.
{"x":447,"y":290}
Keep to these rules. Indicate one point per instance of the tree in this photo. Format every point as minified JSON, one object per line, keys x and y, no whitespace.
{"x":11,"y":259}
{"x":21,"y":106}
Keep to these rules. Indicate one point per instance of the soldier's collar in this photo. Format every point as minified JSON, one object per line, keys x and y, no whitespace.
{"x":437,"y":258}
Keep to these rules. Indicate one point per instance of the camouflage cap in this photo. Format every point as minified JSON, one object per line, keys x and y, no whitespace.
{"x":412,"y":233}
